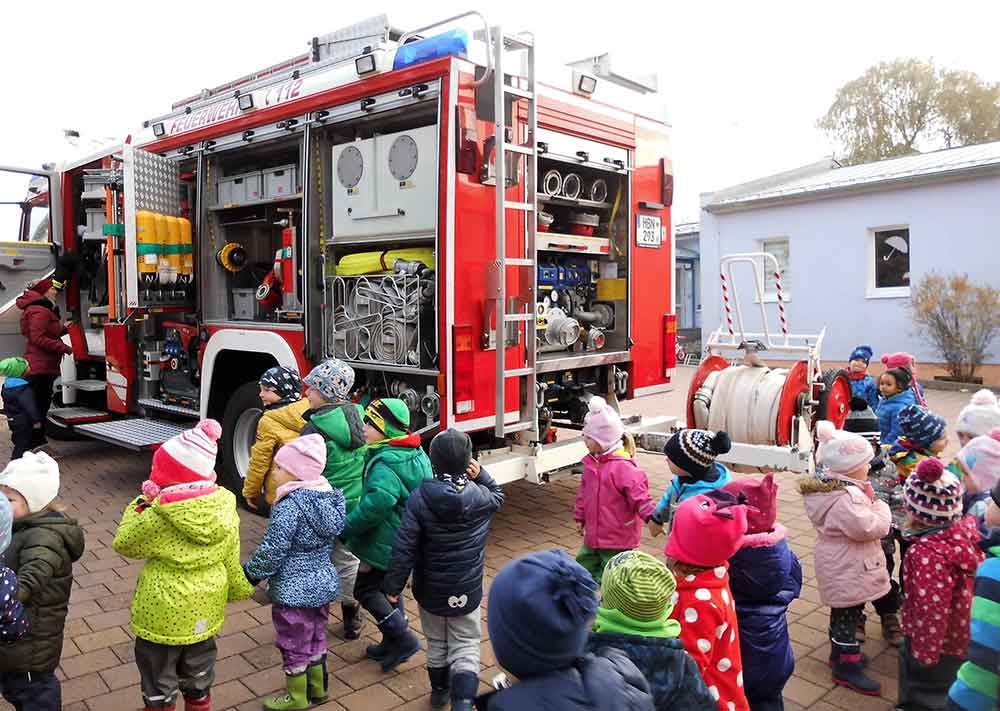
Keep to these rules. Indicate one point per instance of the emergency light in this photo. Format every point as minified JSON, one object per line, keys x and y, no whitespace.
{"x":245,"y":102}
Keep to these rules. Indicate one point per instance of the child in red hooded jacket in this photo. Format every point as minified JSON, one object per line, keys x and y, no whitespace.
{"x":939,"y":572}
{"x":707,"y":530}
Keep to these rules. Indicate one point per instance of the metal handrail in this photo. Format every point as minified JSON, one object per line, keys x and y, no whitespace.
{"x":489,"y":56}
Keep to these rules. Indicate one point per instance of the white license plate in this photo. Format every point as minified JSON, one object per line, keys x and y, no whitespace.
{"x":648,"y":231}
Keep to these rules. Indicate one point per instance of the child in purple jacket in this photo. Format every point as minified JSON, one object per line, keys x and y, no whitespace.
{"x":613,"y":502}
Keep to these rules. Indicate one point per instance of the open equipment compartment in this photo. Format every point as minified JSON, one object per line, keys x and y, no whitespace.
{"x":253,"y":233}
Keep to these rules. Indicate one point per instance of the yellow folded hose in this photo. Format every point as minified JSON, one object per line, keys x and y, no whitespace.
{"x":381,"y":262}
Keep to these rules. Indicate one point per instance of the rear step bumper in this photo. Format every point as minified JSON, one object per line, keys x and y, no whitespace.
{"x":136,"y":434}
{"x":68,"y":416}
{"x":160,"y":406}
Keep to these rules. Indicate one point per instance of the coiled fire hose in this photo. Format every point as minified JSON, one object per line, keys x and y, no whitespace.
{"x":743,"y":401}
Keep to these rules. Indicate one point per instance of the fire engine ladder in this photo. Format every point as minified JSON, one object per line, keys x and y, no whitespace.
{"x":522,"y":92}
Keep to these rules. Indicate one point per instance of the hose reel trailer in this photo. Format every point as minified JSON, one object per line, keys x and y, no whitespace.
{"x":770,"y":413}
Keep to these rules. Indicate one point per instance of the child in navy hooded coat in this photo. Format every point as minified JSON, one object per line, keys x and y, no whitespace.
{"x":764,"y":577}
{"x":862,"y":384}
{"x":19,"y":405}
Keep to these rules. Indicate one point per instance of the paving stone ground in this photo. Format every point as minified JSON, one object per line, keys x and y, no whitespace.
{"x":97,"y":669}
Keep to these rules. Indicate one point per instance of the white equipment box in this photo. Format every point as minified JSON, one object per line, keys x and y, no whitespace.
{"x":386,"y":186}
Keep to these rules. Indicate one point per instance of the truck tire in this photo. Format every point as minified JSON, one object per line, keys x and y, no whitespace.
{"x":239,"y":429}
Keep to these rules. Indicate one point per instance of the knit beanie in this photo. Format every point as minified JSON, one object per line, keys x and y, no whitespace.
{"x":389,"y":416}
{"x":602,"y":424}
{"x":694,"y":451}
{"x":898,"y":360}
{"x":762,"y":501}
{"x":333,"y":379}
{"x":41,"y":286}
{"x":708,"y":529}
{"x":921,"y":427}
{"x":13,"y":367}
{"x":862,"y":353}
{"x":539,"y":614}
{"x":637,"y":585}
{"x":932,"y":494}
{"x":841,"y":452}
{"x":35,"y":477}
{"x":862,"y":419}
{"x":451,"y":452}
{"x":284,"y":381}
{"x":304,"y":457}
{"x":977,"y":418}
{"x":6,"y":523}
{"x":981,"y":457}
{"x":186,"y":458}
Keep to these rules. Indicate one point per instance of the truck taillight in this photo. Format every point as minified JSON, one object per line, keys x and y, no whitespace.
{"x":669,"y":344}
{"x":464,"y":372}
{"x":666,"y":182}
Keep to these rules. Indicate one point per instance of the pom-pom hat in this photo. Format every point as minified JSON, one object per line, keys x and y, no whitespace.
{"x":841,"y":452}
{"x":186,"y":458}
{"x":602,"y":424}
{"x":862,"y":353}
{"x":694,"y":451}
{"x":933,"y":494}
{"x":35,"y":476}
{"x":980,"y":416}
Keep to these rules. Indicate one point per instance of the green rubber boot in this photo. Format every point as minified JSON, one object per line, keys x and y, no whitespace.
{"x":316,"y":676}
{"x":295,"y":699}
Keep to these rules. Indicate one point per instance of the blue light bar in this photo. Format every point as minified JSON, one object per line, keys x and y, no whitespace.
{"x":442,"y":45}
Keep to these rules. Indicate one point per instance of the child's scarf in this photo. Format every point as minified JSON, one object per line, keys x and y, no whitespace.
{"x":612,"y":621}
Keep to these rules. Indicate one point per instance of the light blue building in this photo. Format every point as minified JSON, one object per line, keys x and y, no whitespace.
{"x":851,"y":241}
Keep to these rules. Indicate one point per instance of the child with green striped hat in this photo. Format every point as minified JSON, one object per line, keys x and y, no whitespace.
{"x":637,"y":593}
{"x":18,"y":405}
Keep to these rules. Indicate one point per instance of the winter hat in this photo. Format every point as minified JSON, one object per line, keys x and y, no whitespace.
{"x":898,"y":360}
{"x":708,"y":529}
{"x":35,"y":477}
{"x":841,"y":452}
{"x":13,"y":367}
{"x":451,"y":452}
{"x":695,"y":451}
{"x":862,"y":353}
{"x":186,"y":458}
{"x":602,"y":424}
{"x":902,"y":376}
{"x":539,"y":613}
{"x":43,"y":285}
{"x":862,"y":420}
{"x":981,"y":457}
{"x":303,"y":457}
{"x":762,"y":501}
{"x":977,"y":418}
{"x":637,"y":585}
{"x":932,"y":494}
{"x":284,"y":381}
{"x":6,"y":522}
{"x":333,"y":379}
{"x":389,"y":416}
{"x":920,"y":426}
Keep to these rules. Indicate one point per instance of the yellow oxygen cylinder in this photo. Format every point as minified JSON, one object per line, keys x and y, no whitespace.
{"x":187,"y":252}
{"x":162,"y":237}
{"x":173,"y":248}
{"x":146,"y":248}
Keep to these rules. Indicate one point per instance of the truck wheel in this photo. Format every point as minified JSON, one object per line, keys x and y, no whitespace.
{"x":239,"y":430}
{"x":835,"y":399}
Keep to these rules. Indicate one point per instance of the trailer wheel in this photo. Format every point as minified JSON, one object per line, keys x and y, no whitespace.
{"x":239,"y":430}
{"x":835,"y":398}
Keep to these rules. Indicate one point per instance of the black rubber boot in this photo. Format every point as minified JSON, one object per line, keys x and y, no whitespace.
{"x":378,"y":651}
{"x":464,"y":686}
{"x":440,"y":686}
{"x":847,"y":670}
{"x":399,"y":641}
{"x":354,"y":622}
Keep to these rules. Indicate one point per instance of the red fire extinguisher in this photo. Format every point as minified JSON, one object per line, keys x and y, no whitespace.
{"x":287,"y":263}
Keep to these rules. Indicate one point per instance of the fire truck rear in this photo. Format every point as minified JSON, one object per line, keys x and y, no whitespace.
{"x":488,"y":247}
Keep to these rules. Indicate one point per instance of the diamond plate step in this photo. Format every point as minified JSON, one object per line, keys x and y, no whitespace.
{"x":160,"y":406}
{"x":90,"y":386}
{"x":135,"y":434}
{"x":78,"y":415}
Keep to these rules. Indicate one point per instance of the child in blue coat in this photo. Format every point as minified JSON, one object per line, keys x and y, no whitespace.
{"x":764,"y":576}
{"x":19,"y":405}
{"x":862,"y":384}
{"x":894,"y":385}
{"x":691,"y":458}
{"x":295,"y":558}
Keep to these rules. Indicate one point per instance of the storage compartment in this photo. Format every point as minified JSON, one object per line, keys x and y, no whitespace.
{"x":239,"y":189}
{"x":281,"y":182}
{"x":96,"y":219}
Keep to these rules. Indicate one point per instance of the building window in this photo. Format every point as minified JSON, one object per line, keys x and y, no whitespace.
{"x":777,"y":248}
{"x":889,"y":263}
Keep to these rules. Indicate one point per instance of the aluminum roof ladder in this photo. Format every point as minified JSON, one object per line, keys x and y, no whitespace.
{"x":523,"y":92}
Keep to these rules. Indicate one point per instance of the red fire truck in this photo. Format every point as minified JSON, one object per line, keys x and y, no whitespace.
{"x":491,"y":248}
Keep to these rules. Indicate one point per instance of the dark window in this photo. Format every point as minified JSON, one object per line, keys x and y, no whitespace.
{"x":892,"y":258}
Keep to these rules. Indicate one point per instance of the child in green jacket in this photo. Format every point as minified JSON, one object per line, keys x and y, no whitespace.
{"x":187,"y":530}
{"x":395,"y":466}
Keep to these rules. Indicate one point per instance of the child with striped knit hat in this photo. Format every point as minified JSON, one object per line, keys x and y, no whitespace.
{"x":938,"y":574}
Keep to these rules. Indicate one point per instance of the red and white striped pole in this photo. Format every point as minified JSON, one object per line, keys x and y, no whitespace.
{"x":781,"y":302}
{"x":726,"y":304}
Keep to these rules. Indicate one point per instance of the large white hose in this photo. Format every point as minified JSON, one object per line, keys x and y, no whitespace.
{"x":744,"y":402}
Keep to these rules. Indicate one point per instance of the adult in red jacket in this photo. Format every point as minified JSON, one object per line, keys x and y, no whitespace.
{"x":43,"y":330}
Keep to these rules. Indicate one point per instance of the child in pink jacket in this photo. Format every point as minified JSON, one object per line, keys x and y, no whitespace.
{"x":613,"y":501}
{"x":850,"y":522}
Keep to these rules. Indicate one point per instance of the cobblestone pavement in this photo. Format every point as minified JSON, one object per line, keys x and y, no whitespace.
{"x":97,"y":669}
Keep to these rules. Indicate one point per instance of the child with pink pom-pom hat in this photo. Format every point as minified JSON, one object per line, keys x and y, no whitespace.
{"x":187,"y":530}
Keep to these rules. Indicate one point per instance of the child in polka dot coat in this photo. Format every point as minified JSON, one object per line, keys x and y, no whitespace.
{"x":939,"y":572}
{"x":13,"y":620}
{"x":707,"y":530}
